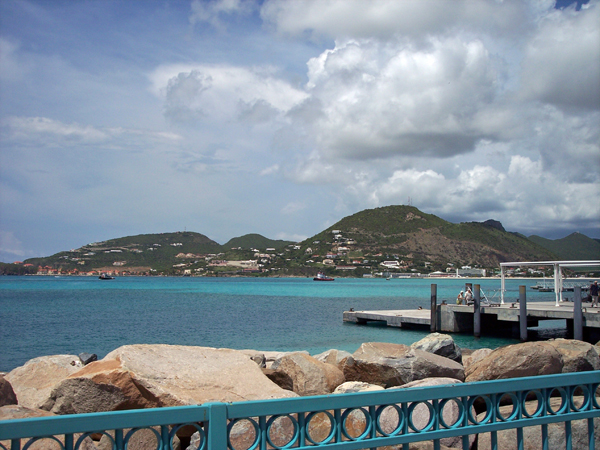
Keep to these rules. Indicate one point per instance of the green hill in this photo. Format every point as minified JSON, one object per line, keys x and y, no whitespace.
{"x":409,"y":234}
{"x":133,"y":253}
{"x":256,"y":241}
{"x":575,"y":246}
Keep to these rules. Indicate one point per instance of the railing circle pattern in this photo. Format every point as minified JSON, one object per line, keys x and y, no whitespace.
{"x":362,"y":423}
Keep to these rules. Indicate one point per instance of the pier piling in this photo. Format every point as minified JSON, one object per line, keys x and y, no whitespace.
{"x":523,"y":313}
{"x":433,"y":321}
{"x":577,"y":315}
{"x":477,"y":311}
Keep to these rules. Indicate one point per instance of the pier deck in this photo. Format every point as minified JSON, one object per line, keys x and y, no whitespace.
{"x":459,"y":318}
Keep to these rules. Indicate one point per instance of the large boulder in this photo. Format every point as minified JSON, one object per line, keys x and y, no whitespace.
{"x":271,"y":357}
{"x":520,"y":360}
{"x":34,"y":381}
{"x":335,"y":357}
{"x":440,"y":344}
{"x":577,"y":356}
{"x":390,"y":365}
{"x":7,"y":394}
{"x":475,"y":356}
{"x":310,"y":376}
{"x":507,"y":439}
{"x":144,"y":376}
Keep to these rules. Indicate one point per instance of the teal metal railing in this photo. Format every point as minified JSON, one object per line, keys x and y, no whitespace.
{"x":345,"y":421}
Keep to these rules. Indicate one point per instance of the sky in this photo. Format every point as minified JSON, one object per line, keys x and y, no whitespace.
{"x":279,"y":117}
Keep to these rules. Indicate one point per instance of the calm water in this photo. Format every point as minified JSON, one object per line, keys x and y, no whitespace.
{"x":70,"y":315}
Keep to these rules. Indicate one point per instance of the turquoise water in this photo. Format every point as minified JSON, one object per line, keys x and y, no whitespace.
{"x":70,"y":315}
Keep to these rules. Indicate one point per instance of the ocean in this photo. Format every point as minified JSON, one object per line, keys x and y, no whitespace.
{"x":70,"y":315}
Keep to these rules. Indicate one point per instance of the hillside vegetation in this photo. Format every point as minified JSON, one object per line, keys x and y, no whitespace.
{"x":575,"y":246}
{"x":356,"y":245}
{"x":409,"y":234}
{"x":257,"y":241}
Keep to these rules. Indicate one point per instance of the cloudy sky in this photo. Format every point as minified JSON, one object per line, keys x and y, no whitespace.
{"x":282,"y":117}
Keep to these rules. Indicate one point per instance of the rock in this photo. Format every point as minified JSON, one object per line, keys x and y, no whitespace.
{"x":520,"y":360}
{"x":420,"y":416}
{"x":34,"y":381}
{"x":440,"y":344}
{"x":258,"y":357}
{"x":87,"y":358}
{"x":356,"y":386}
{"x":281,"y":379}
{"x":390,"y":365}
{"x":271,"y":357}
{"x":507,"y":439}
{"x":475,"y":356}
{"x":335,"y":357}
{"x":310,"y":376}
{"x":82,"y":395}
{"x":12,"y":412}
{"x":577,"y":356}
{"x":146,"y":376}
{"x":7,"y":394}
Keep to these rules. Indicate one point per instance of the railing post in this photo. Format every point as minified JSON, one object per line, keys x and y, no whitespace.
{"x":577,"y":315}
{"x":433,"y":319}
{"x":477,"y":311}
{"x":217,"y":426}
{"x":523,"y":313}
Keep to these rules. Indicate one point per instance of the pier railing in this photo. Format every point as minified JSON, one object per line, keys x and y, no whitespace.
{"x":345,"y":421}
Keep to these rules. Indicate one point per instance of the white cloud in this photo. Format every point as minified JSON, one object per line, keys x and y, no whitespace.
{"x":562,"y":60}
{"x":384,"y":19}
{"x":222,"y":92}
{"x":381,"y":99}
{"x":214,"y":11}
{"x":45,"y":132}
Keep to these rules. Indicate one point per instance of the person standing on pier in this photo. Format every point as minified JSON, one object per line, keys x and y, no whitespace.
{"x":469,"y":296}
{"x":460,"y":298}
{"x":594,"y":293}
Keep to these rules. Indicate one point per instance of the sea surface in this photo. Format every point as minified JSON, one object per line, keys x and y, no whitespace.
{"x":69,"y":315}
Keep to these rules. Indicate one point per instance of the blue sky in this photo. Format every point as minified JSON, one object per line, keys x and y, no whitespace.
{"x":231,"y":117}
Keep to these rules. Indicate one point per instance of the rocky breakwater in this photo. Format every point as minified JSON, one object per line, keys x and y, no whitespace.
{"x":146,"y":376}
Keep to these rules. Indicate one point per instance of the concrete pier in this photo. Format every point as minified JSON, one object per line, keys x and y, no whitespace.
{"x":503,"y":319}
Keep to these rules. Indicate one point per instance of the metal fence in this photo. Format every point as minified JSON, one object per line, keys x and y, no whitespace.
{"x":362,"y":420}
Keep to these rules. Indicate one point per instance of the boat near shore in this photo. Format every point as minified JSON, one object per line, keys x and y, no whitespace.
{"x":322,"y":277}
{"x":105,"y":276}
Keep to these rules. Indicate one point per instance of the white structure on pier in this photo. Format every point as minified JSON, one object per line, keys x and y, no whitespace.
{"x":558,"y":279}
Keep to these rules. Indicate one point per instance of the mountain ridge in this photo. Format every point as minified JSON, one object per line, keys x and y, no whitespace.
{"x":422,"y":241}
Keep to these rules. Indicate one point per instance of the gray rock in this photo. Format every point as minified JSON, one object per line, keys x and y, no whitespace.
{"x":34,"y":381}
{"x":333,"y":356}
{"x":520,"y":360}
{"x":440,"y":344}
{"x":281,"y":379}
{"x":475,"y":356}
{"x":7,"y":394}
{"x":87,"y":358}
{"x":82,"y":395}
{"x":390,"y":365}
{"x":310,"y":376}
{"x":577,"y":356}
